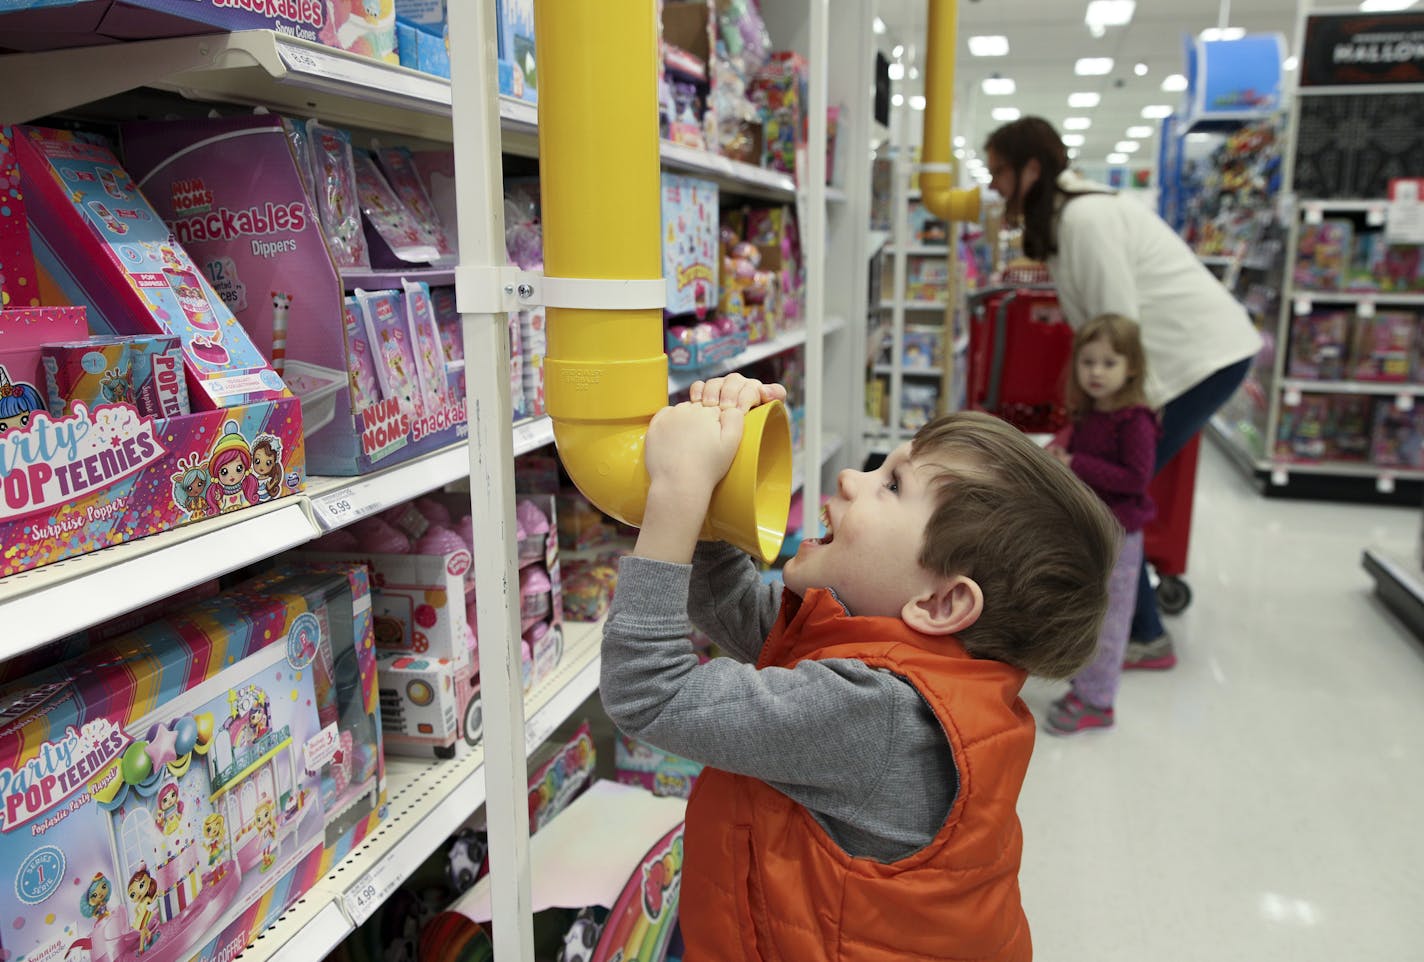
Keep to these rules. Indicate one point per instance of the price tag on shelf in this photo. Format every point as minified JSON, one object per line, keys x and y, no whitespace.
{"x":1384,"y":484}
{"x":1292,"y":397}
{"x":1302,"y":305}
{"x":1404,"y":402}
{"x":1366,"y":309}
{"x":1406,"y":211}
{"x":362,"y":73}
{"x":1280,"y":477}
{"x":533,"y":433}
{"x":1314,"y":214}
{"x":341,"y":508}
{"x":368,"y":894}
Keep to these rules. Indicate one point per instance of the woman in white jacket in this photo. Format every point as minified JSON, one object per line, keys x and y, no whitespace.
{"x":1110,"y":254}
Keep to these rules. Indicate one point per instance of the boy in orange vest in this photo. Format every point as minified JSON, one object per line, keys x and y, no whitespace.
{"x":866,"y":742}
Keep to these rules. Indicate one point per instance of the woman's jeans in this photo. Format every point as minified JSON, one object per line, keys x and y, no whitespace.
{"x":1182,"y":418}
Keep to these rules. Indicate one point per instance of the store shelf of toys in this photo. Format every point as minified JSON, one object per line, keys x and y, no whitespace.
{"x":311,"y":473}
{"x":1338,"y":382}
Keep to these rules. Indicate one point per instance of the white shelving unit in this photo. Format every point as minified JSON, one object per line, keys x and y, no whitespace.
{"x":283,"y":74}
{"x":1254,"y":445}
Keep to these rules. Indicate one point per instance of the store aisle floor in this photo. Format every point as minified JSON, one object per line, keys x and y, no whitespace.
{"x":1260,"y":801}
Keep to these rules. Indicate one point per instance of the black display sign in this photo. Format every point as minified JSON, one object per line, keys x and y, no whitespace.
{"x":1349,"y":49}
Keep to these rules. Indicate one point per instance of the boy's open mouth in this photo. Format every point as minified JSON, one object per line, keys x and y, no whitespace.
{"x":830,"y":534}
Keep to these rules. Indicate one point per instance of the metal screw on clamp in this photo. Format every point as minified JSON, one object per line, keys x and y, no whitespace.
{"x":526,"y":291}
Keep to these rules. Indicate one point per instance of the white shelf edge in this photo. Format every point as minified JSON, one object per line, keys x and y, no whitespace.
{"x":835,"y":195}
{"x":915,"y":305}
{"x":1346,"y":469}
{"x":310,"y":929}
{"x":58,"y":599}
{"x":682,"y":380}
{"x":910,"y":371}
{"x":1356,"y":297}
{"x":1383,"y":388}
{"x":920,"y":250}
{"x":1302,"y":203}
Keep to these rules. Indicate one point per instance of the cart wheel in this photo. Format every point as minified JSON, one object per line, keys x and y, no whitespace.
{"x":1173,"y":595}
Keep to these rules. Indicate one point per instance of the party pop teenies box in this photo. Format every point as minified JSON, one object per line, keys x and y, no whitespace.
{"x":155,"y":794}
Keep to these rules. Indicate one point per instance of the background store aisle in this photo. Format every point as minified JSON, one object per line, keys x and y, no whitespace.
{"x":1253,"y":803}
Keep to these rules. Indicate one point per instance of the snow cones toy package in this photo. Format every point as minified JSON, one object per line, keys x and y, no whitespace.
{"x":334,"y":178}
{"x":395,"y":236}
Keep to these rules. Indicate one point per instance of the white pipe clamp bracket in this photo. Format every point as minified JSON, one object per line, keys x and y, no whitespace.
{"x":604,"y":295}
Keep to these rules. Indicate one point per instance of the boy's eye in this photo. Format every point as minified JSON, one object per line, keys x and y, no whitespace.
{"x":893,"y":485}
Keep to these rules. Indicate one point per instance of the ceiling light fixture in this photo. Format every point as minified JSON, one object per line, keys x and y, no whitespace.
{"x":1073,"y":153}
{"x":1157,"y":111}
{"x":1211,"y":34}
{"x":1072,"y":140}
{"x":959,"y":141}
{"x":917,"y":102}
{"x":1139,"y":133}
{"x":1005,"y":114}
{"x":1102,"y":14}
{"x":898,"y":100}
{"x":1127,"y":147}
{"x":1383,"y":6}
{"x":877,"y":25}
{"x":1290,"y":63}
{"x":1117,"y":158}
{"x":897,"y":51}
{"x":989,"y":45}
{"x":1174,"y":83}
{"x":914,"y":73}
{"x":1093,"y":66}
{"x":896,"y":71}
{"x":997,"y":86}
{"x":1077,"y":123}
{"x":1083,"y":100}
{"x":1140,"y":69}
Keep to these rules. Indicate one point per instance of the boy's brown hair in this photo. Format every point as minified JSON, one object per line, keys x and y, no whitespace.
{"x":1125,"y":338}
{"x":1038,"y":542}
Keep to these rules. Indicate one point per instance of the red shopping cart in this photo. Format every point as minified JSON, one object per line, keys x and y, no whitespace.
{"x":1019,"y":349}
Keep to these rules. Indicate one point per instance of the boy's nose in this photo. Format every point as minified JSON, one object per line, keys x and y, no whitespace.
{"x":846,"y":481}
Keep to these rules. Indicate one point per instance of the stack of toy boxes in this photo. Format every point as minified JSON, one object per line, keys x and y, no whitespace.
{"x":423,"y":36}
{"x":429,"y":672}
{"x":691,"y":250}
{"x":141,"y":468}
{"x":166,"y":792}
{"x":780,"y":91}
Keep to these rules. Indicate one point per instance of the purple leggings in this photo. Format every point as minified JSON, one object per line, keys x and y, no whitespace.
{"x":1097,"y":684}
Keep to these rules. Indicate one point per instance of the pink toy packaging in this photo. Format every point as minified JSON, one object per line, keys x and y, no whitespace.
{"x":425,"y":341}
{"x":690,"y":244}
{"x":393,"y":348}
{"x":146,"y":372}
{"x":1398,"y":439}
{"x":1384,"y":347}
{"x":106,"y":246}
{"x":19,"y":282}
{"x":392,"y":232}
{"x":1318,"y":345}
{"x":399,"y":168}
{"x":365,"y":390}
{"x":333,"y":174}
{"x":367,"y":27}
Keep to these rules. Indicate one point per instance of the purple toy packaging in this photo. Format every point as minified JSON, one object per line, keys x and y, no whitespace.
{"x":286,"y":277}
{"x":100,"y":239}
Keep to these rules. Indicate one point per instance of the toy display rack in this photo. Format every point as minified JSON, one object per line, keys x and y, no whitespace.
{"x":1342,"y":480}
{"x":287,"y":75}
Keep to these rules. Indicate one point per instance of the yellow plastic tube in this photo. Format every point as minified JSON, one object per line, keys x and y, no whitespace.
{"x":944,"y":201}
{"x":605,"y":371}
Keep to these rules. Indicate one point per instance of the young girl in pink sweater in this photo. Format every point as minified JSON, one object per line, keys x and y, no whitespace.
{"x":1112,"y":447}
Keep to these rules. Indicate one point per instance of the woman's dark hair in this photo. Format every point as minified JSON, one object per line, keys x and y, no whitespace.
{"x":1033,"y":138}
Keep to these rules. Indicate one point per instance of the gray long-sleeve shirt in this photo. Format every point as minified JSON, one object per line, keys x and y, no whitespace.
{"x":857,"y":746}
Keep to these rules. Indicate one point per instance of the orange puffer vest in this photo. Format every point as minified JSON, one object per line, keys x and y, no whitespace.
{"x":763,"y":882}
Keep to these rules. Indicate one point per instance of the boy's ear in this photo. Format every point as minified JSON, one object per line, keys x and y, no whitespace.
{"x":950,"y":606}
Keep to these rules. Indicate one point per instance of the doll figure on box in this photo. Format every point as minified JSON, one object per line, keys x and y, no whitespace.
{"x":215,"y":841}
{"x":267,"y":466}
{"x":230,"y":465}
{"x":170,"y":810}
{"x":17,"y":402}
{"x":116,"y":387}
{"x":143,"y":893}
{"x":96,"y":898}
{"x":190,"y":487}
{"x":265,"y":817}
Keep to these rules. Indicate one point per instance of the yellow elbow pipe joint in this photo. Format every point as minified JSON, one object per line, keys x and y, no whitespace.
{"x":605,"y":371}
{"x":940,"y":198}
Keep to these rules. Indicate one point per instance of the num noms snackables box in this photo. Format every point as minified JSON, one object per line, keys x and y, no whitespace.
{"x":109,"y":250}
{"x":49,"y":24}
{"x":158,"y":805}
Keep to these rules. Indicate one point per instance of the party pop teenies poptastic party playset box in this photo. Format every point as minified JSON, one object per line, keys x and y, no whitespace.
{"x":171,"y":416}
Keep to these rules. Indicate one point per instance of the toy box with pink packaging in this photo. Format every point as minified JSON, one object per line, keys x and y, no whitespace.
{"x":232,"y":188}
{"x":162,"y":797}
{"x":361,"y":26}
{"x":691,"y":249}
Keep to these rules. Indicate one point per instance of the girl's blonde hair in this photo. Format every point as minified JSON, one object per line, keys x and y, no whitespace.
{"x":1124,"y":337}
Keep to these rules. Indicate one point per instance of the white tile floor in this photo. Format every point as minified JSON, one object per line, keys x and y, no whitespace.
{"x":1261,"y":801}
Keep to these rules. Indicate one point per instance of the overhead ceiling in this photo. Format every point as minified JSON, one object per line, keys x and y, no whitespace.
{"x":1047,"y":37}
